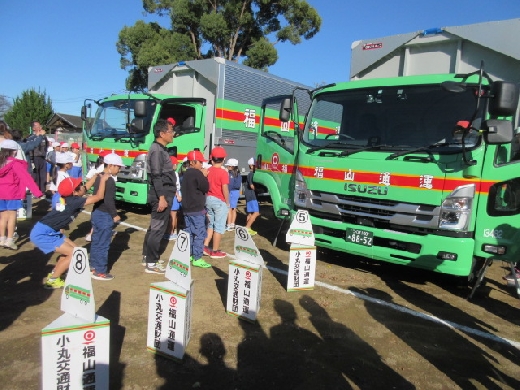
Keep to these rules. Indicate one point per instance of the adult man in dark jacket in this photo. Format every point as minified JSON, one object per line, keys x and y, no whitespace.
{"x":27,"y":146}
{"x":38,"y":156}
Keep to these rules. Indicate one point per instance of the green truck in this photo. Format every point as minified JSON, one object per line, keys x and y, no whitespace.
{"x":421,"y":170}
{"x":213,"y":102}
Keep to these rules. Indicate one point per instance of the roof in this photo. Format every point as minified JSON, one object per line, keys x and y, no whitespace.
{"x":68,"y":122}
{"x":495,"y":35}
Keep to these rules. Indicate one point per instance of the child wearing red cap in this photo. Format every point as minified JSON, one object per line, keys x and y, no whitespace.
{"x":194,"y":187}
{"x":46,"y":234}
{"x":217,"y":203}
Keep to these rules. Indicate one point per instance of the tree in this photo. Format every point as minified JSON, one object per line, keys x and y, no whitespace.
{"x":30,"y":106}
{"x":5,"y":105}
{"x":232,"y":29}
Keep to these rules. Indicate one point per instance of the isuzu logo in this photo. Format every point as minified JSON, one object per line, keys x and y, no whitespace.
{"x":366,"y":189}
{"x":372,"y":45}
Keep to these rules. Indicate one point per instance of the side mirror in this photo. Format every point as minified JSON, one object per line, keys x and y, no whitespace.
{"x":285,"y":110}
{"x":84,"y":113}
{"x":140,"y":109}
{"x":172,"y":151}
{"x":498,"y":132}
{"x":137,"y":126}
{"x":504,"y":99}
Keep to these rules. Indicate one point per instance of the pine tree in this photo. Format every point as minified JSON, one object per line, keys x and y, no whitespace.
{"x":30,"y":106}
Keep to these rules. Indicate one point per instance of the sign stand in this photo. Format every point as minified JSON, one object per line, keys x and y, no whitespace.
{"x":170,"y":304}
{"x":302,"y":255}
{"x":76,"y":346}
{"x":245,"y":278}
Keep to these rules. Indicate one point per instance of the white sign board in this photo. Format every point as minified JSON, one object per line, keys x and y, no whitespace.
{"x":77,"y":298}
{"x":244,"y":289}
{"x":169,"y":319}
{"x":245,"y":247}
{"x":178,"y":269}
{"x":75,"y":354}
{"x":302,"y":268}
{"x":300,"y":231}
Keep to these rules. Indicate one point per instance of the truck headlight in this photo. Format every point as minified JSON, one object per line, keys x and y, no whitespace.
{"x":456,"y":209}
{"x":300,"y":190}
{"x":138,"y":167}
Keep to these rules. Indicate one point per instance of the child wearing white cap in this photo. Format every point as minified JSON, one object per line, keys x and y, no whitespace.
{"x":104,"y":215}
{"x":63,"y":164}
{"x":235,"y":183}
{"x":252,"y":207}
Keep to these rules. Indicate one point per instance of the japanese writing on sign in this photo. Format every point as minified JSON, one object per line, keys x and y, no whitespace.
{"x":250,"y":118}
{"x":158,"y":321}
{"x":172,"y":324}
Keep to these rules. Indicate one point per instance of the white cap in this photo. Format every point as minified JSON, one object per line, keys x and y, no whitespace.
{"x":65,"y":145}
{"x":54,"y":144}
{"x":232,"y":162}
{"x":251,"y":161}
{"x":64,"y":158}
{"x":50,"y":140}
{"x":113,"y":159}
{"x":9,"y":144}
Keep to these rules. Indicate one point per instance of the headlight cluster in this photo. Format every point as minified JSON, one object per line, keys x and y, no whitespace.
{"x":300,"y":190}
{"x":138,"y":167}
{"x":456,"y":209}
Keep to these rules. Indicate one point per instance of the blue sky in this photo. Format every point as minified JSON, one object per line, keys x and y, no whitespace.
{"x":67,"y":48}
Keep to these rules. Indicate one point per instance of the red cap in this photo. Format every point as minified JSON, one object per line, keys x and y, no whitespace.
{"x":75,"y":145}
{"x":171,"y":121}
{"x":68,"y":185}
{"x":196,"y":155}
{"x":174,"y":160}
{"x":464,"y":124}
{"x":218,"y":152}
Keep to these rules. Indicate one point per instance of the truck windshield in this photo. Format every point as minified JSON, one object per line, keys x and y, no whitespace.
{"x":112,"y":119}
{"x":402,"y":117}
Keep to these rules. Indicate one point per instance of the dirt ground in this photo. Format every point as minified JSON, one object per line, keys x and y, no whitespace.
{"x":366,"y":325}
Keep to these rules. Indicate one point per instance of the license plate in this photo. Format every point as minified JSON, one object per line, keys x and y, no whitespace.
{"x":361,"y":237}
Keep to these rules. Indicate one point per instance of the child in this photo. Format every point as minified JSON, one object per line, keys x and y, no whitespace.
{"x":46,"y":235}
{"x":14,"y":179}
{"x":194,"y":186}
{"x":76,"y":170}
{"x":176,"y":204}
{"x":98,"y":168}
{"x":235,"y":182}
{"x":104,"y":215}
{"x":252,"y":208}
{"x":217,"y":203}
{"x":63,"y":164}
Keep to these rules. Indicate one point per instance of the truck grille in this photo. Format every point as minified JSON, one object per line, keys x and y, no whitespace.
{"x":382,"y":213}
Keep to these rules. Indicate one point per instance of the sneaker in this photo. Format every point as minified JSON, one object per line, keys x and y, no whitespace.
{"x":251,"y":232}
{"x":200,"y":263}
{"x":155,"y":269}
{"x":170,"y":237}
{"x":218,"y":254}
{"x":51,"y":284}
{"x":10,"y":244}
{"x":100,"y":276}
{"x":230,"y":228}
{"x":206,"y":251}
{"x":88,"y":237}
{"x":143,"y":262}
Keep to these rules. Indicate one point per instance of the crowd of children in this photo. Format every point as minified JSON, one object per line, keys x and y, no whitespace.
{"x":206,"y":193}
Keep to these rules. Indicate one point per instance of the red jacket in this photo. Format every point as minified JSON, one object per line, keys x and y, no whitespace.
{"x":14,"y":179}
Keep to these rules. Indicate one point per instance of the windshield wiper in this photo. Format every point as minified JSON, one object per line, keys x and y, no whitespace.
{"x":329,"y":145}
{"x":426,"y":149}
{"x":97,"y":137}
